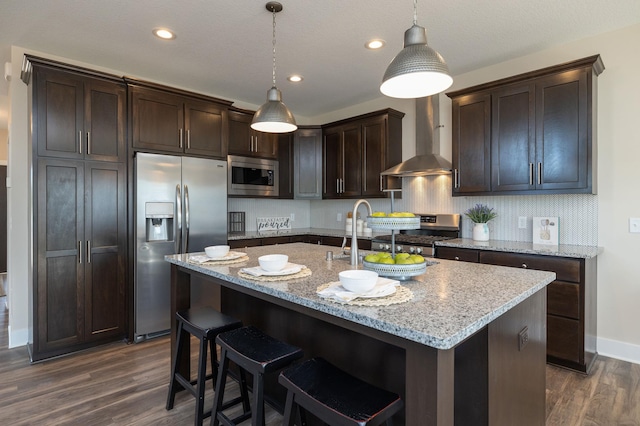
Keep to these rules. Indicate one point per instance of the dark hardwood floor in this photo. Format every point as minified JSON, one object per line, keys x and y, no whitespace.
{"x":120,"y":384}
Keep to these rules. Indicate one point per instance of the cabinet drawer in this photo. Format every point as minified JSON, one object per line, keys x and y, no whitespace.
{"x":566,"y":269}
{"x":251,"y":242}
{"x":464,"y":255}
{"x":564,"y":338}
{"x":275,"y":240}
{"x":563,"y":299}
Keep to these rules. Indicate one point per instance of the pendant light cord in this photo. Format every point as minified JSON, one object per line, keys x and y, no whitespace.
{"x":274,"y":47}
{"x":415,"y":12}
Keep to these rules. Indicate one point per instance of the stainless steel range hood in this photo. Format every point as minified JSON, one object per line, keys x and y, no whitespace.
{"x":428,"y":160}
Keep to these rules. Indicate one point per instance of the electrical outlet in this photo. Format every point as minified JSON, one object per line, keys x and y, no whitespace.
{"x":522,"y":222}
{"x":634,"y":224}
{"x":339,"y":217}
{"x":293,"y":217}
{"x":523,"y":338}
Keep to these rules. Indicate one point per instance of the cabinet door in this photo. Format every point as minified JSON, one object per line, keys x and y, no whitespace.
{"x":105,"y":120}
{"x":105,"y":234}
{"x":285,"y":165}
{"x":157,"y":120}
{"x":351,"y":161}
{"x":471,"y":144}
{"x":266,"y":144}
{"x":58,"y":105}
{"x":205,"y":132}
{"x":332,"y":166}
{"x":513,"y":139}
{"x":307,"y":151}
{"x":59,"y":295}
{"x":563,"y":139}
{"x":240,"y":134}
{"x":374,"y":155}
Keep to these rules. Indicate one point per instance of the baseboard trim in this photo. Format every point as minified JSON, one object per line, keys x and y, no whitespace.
{"x":619,"y":350}
{"x":17,"y":337}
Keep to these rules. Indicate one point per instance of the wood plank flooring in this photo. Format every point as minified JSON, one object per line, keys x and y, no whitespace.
{"x":120,"y":384}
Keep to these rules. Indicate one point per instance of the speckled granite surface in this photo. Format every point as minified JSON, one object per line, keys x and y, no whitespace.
{"x":562,"y":250}
{"x":326,"y":232}
{"x":452,"y":300}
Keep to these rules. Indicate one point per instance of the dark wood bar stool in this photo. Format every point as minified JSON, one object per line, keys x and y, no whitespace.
{"x":334,"y":396}
{"x":254,"y":352}
{"x":205,"y":323}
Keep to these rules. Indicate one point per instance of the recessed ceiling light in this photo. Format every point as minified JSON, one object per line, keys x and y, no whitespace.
{"x":295,"y":78}
{"x":374,"y":44}
{"x":164,"y":33}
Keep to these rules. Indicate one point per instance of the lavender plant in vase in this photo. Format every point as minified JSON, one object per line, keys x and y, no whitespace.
{"x":480,"y":215}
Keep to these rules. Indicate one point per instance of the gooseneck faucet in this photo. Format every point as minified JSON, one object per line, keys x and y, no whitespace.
{"x":354,"y":235}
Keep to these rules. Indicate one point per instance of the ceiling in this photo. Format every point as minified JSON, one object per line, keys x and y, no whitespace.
{"x":223,"y":47}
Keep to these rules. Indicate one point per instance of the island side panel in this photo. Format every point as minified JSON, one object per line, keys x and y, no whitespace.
{"x":180,"y":300}
{"x":517,"y":375}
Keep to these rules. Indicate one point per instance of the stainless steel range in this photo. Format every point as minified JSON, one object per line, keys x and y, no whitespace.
{"x":433,"y":227}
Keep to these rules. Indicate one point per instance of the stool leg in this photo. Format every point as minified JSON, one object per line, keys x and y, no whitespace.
{"x":220,"y":385}
{"x":288,"y":410}
{"x":173,"y":383}
{"x":214,"y":361}
{"x":244,"y":393}
{"x":202,"y":374}
{"x":258,"y":400}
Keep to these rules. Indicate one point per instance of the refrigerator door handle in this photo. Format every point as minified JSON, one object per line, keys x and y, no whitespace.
{"x":178,"y":224}
{"x":186,"y":219}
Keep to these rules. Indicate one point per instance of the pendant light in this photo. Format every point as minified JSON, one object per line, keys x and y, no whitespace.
{"x":274,"y":116}
{"x":418,"y":70}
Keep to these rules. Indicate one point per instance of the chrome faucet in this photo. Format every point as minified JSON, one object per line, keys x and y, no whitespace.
{"x":354,"y":235}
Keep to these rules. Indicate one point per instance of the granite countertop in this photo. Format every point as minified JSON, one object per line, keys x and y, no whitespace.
{"x":562,"y":250}
{"x":452,"y":300}
{"x":325,"y":232}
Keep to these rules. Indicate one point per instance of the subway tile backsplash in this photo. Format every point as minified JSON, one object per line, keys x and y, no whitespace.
{"x":578,"y":214}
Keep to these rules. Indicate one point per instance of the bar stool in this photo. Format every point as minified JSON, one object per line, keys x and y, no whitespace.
{"x":334,"y":396}
{"x":205,"y":323}
{"x":254,"y":352}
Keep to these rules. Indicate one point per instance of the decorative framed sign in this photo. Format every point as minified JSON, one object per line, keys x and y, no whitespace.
{"x":273,"y":223}
{"x":545,"y":230}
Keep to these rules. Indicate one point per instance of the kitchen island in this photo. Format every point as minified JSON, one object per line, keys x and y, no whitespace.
{"x":468,"y":348}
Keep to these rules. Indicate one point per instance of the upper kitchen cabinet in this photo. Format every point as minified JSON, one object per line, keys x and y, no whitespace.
{"x":285,"y":165}
{"x":536,"y":131}
{"x":307,"y":164}
{"x":243,"y":140}
{"x":76,"y":115}
{"x":169,"y":121}
{"x":356,"y":150}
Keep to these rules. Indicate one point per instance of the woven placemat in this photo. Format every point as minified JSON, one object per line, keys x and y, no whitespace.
{"x":304,"y":272}
{"x":220,"y":262}
{"x":402,"y":294}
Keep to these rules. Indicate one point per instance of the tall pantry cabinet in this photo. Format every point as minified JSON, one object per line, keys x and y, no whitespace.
{"x":79,"y":207}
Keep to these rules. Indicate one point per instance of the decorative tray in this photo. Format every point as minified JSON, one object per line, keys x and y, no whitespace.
{"x":399,"y":272}
{"x":398,"y":223}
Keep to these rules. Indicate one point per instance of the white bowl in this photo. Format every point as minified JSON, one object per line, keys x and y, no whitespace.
{"x":358,"y":280}
{"x":216,"y":251}
{"x":273,"y":262}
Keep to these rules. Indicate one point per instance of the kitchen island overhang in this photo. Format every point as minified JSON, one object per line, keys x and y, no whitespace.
{"x":437,"y":350}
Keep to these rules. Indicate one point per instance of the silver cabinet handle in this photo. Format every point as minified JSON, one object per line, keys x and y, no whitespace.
{"x":456,"y":178}
{"x":337,"y":186}
{"x":178,"y":225}
{"x":79,"y":251}
{"x":88,"y":251}
{"x":456,"y":258}
{"x":186,"y":219}
{"x":539,"y":173}
{"x":188,"y":139}
{"x":524,"y":265}
{"x":381,"y":184}
{"x":180,"y":139}
{"x":251,"y":144}
{"x":80,"y":141}
{"x":531,"y":174}
{"x":88,"y":143}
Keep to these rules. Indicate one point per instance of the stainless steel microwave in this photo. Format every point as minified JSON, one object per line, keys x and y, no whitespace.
{"x":249,"y":176}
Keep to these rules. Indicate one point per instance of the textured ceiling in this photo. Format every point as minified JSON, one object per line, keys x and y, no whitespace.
{"x":223,"y":47}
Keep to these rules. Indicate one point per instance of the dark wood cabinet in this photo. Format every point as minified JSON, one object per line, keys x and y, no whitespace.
{"x":243,"y":140}
{"x":531,"y":133}
{"x":79,"y":208}
{"x":78,"y":116}
{"x":571,"y":301}
{"x":167,"y":122}
{"x":356,"y":150}
{"x":363,"y":244}
{"x":307,"y":163}
{"x":286,"y":166}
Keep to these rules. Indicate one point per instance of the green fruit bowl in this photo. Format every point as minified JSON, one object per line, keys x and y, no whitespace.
{"x":398,"y":271}
{"x":397,"y":223}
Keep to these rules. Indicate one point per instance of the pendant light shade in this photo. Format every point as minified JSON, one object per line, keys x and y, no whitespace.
{"x":418,"y":70}
{"x":274,"y":116}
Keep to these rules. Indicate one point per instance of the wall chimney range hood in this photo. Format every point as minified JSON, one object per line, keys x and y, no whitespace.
{"x":428,"y":160}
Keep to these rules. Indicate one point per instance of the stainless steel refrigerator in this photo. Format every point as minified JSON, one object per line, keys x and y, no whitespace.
{"x":181,"y":207}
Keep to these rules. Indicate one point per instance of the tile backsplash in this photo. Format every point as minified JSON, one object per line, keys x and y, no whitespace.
{"x":578,"y":213}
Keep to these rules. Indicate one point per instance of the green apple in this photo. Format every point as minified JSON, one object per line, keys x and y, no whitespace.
{"x":373,"y":258}
{"x":395,"y":214}
{"x":402,"y":256}
{"x":378,"y":214}
{"x":416,"y":258}
{"x":404,"y":261}
{"x":384,"y":255}
{"x":387,"y":260}
{"x":407,"y":214}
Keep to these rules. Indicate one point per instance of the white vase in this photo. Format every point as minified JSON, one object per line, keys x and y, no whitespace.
{"x":480,"y":232}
